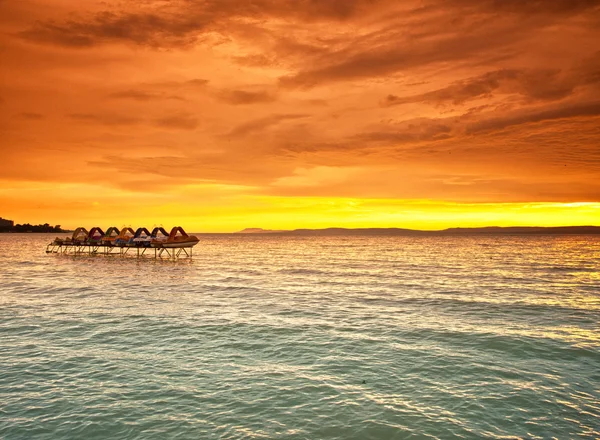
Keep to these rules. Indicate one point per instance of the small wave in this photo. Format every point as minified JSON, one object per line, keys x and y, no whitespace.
{"x":301,"y":271}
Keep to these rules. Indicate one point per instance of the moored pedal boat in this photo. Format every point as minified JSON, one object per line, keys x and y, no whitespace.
{"x":111,"y":235}
{"x":124,"y":237}
{"x":158,"y":237}
{"x":142,"y":238}
{"x":95,"y":236}
{"x":80,"y":236}
{"x":96,"y":242}
{"x":178,"y":238}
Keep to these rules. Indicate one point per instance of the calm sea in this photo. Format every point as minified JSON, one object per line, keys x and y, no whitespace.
{"x":304,"y":338}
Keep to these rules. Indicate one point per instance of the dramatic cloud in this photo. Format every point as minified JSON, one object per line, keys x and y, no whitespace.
{"x":244,"y":108}
{"x":181,"y":23}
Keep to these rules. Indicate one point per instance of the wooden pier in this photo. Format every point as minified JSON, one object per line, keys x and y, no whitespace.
{"x":121,"y":251}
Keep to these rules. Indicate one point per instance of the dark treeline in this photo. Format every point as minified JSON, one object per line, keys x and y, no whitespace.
{"x":32,"y":228}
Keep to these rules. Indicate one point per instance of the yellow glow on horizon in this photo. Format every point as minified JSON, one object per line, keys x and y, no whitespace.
{"x":220,"y":209}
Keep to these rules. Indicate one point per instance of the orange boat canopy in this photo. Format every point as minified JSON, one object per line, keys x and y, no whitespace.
{"x":126,"y":233}
{"x":174,"y":232}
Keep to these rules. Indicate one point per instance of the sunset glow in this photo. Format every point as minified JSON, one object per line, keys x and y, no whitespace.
{"x":220,"y":114}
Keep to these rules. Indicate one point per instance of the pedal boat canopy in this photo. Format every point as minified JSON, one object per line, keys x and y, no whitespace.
{"x":80,"y":235}
{"x":158,"y":236}
{"x":124,"y":237}
{"x":142,"y":237}
{"x":111,"y":235}
{"x":178,"y":238}
{"x":96,"y":235}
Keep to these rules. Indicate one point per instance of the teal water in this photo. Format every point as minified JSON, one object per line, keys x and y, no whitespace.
{"x":304,"y":338}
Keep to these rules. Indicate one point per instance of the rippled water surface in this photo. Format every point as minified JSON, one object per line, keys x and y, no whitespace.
{"x":304,"y":338}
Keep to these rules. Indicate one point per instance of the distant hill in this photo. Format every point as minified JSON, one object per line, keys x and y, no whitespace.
{"x":490,"y":230}
{"x":259,"y":231}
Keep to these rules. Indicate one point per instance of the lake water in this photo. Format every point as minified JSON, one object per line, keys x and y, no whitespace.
{"x":304,"y":338}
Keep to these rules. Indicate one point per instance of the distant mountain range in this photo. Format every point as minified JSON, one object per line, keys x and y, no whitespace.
{"x":490,"y":230}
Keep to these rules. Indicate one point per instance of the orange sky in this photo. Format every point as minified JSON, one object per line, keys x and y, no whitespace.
{"x":223,"y":114}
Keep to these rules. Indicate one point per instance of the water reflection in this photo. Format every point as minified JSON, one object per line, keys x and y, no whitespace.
{"x":451,"y":336}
